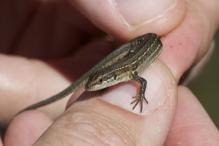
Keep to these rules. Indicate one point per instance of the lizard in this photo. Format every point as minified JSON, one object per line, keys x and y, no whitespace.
{"x":123,"y":64}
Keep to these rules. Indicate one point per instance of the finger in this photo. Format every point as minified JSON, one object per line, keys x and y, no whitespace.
{"x":192,"y":125}
{"x":189,"y":42}
{"x":42,"y":29}
{"x":27,"y":81}
{"x":13,"y":15}
{"x":1,"y":144}
{"x":55,"y":31}
{"x":199,"y":66}
{"x":108,"y":121}
{"x":127,"y":19}
{"x":193,"y":24}
{"x":25,"y":129}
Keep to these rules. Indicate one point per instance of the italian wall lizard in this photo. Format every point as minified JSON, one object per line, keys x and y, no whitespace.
{"x":123,"y":64}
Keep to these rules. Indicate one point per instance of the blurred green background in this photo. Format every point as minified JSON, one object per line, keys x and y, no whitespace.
{"x":206,"y":85}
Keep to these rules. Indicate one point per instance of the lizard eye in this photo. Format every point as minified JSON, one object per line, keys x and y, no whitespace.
{"x":101,"y":80}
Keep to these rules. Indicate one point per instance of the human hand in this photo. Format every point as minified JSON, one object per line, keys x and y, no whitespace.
{"x":188,"y":28}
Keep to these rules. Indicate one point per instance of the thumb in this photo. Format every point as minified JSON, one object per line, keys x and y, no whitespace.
{"x":126,"y":19}
{"x":108,"y":120}
{"x":102,"y":122}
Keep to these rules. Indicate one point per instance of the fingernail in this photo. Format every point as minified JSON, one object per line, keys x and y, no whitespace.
{"x":142,"y":11}
{"x":160,"y":86}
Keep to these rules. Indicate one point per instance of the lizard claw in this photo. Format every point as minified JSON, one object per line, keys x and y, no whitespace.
{"x":139,"y":99}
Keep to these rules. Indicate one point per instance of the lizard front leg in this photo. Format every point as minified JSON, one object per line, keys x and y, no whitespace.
{"x":140,"y":97}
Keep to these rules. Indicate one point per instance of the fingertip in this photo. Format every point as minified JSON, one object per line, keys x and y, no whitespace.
{"x":26,"y":128}
{"x":130,"y":18}
{"x":99,"y":121}
{"x":160,"y":90}
{"x":188,"y":102}
{"x":191,"y":125}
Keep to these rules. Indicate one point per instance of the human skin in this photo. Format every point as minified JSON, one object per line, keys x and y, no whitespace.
{"x":173,"y":115}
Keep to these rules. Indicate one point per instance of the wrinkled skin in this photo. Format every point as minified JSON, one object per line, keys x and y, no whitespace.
{"x":63,"y":43}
